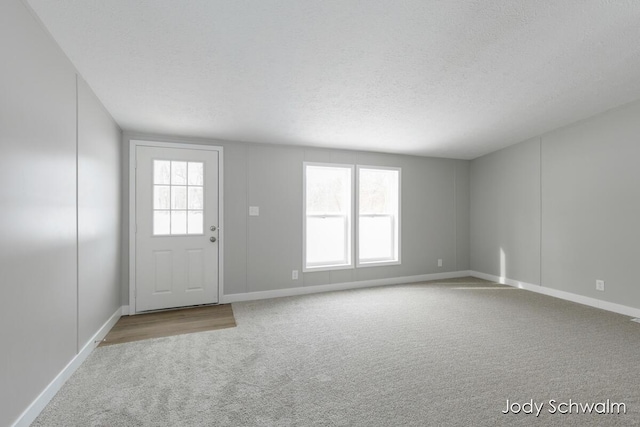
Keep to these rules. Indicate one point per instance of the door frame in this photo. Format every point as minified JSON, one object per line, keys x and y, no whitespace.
{"x":133,"y":145}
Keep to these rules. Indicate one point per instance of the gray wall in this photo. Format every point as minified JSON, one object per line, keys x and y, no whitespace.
{"x":574,"y":195}
{"x":505,"y":213}
{"x":260,"y":252}
{"x":99,"y":214}
{"x":591,"y":207}
{"x":40,"y":319}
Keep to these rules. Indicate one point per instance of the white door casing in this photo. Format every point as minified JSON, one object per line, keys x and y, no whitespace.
{"x":176,"y":248}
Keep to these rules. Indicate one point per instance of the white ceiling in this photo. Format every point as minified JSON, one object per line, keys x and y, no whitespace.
{"x":439,"y":78}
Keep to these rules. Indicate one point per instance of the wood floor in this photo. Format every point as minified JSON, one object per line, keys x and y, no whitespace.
{"x":168,"y":323}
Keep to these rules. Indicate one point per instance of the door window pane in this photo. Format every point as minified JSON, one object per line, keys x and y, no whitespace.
{"x":178,"y":197}
{"x":195,"y":222}
{"x":161,"y":196}
{"x":161,"y":223}
{"x":178,"y":173}
{"x":161,"y":172}
{"x":196,"y":173}
{"x":178,"y":222}
{"x":195,"y":198}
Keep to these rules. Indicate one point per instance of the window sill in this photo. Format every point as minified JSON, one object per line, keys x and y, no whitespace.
{"x":377,"y":264}
{"x":326,"y":268}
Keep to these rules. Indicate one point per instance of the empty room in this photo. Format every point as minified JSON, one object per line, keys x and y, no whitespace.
{"x":319,"y":213}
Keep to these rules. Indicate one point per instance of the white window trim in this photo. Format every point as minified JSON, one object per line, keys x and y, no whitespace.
{"x":308,"y":269}
{"x":354,"y":262}
{"x":357,"y":221}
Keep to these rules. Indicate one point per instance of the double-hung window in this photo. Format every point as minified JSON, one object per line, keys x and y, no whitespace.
{"x":378,"y":215}
{"x":328,"y":216}
{"x":333,"y":220}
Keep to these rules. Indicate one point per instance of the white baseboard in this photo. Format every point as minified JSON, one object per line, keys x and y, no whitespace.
{"x":251,"y":296}
{"x":32,"y":412}
{"x":125,"y":310}
{"x":568,"y":296}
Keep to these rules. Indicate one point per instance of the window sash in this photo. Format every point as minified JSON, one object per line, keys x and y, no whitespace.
{"x":392,"y":212}
{"x":346,"y":260}
{"x":392,"y":241}
{"x":334,"y":262}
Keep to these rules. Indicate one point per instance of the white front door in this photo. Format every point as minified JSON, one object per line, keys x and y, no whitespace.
{"x":177,"y":214}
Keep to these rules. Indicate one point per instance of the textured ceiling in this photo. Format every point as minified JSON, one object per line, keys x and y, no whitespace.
{"x":439,"y":78}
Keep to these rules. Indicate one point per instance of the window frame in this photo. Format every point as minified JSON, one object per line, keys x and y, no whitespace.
{"x":350,"y":224}
{"x":398,"y":220}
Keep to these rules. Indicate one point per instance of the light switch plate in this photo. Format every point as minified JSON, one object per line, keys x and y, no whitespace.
{"x":254,"y":210}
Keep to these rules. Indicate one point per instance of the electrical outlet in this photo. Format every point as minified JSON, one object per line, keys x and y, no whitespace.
{"x":439,"y":263}
{"x":600,"y":285}
{"x":294,"y":275}
{"x":254,"y":211}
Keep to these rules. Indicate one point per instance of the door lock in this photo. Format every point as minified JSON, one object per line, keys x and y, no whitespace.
{"x":212,"y":228}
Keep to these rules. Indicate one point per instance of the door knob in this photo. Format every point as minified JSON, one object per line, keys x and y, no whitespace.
{"x":212,"y":239}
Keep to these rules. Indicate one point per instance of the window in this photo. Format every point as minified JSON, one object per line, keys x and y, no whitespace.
{"x":378,"y":215}
{"x":328,"y":226}
{"x":178,"y":197}
{"x":327,"y":216}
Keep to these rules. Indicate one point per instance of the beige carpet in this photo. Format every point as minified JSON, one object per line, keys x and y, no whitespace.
{"x":433,"y":354}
